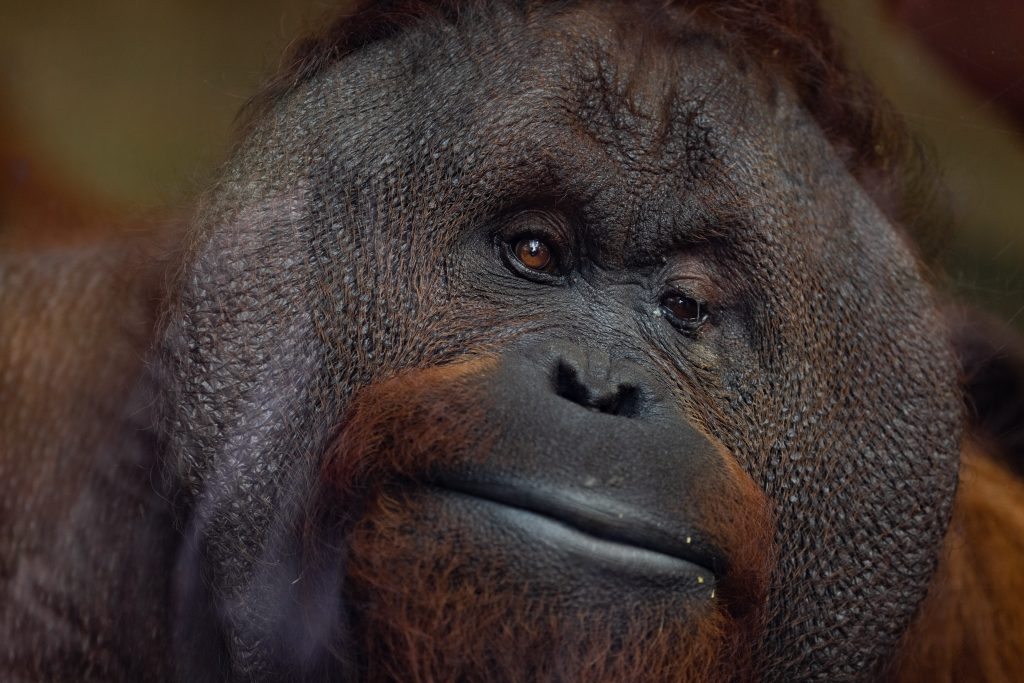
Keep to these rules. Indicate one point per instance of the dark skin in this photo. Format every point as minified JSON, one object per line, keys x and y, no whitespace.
{"x":557,"y":344}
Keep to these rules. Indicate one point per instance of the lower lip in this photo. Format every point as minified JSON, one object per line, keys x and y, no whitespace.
{"x":538,"y":529}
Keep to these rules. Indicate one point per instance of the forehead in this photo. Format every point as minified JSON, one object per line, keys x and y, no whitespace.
{"x":640,"y":117}
{"x":611,"y":73}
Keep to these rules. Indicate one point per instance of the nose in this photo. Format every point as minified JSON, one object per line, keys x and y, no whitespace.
{"x":592,"y":379}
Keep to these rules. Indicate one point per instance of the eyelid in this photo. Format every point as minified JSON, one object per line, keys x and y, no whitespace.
{"x":694,"y":283}
{"x":686,"y":276}
{"x":685,"y":291}
{"x":551,"y":226}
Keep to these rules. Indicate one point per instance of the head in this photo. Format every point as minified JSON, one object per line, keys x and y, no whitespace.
{"x":556,"y":341}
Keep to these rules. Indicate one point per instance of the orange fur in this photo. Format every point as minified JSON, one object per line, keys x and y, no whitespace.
{"x":401,"y":425}
{"x":446,"y":611}
{"x":971,"y":626}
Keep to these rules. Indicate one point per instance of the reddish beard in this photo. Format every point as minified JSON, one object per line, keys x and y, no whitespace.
{"x":433,"y":610}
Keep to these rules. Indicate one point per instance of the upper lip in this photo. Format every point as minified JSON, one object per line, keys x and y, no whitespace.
{"x":597,"y":516}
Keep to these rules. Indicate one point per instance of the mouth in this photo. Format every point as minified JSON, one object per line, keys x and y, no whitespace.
{"x":594,"y":529}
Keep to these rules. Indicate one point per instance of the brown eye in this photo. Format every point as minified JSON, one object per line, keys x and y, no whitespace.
{"x":535,"y":254}
{"x":683,"y":310}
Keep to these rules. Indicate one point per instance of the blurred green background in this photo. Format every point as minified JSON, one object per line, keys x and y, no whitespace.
{"x":133,"y":102}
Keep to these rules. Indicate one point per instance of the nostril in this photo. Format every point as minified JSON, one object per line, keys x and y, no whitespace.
{"x":569,"y":386}
{"x":624,"y":400}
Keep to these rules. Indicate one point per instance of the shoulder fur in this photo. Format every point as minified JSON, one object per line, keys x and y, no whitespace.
{"x":971,"y":626}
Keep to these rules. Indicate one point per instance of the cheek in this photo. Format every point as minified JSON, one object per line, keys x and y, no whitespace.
{"x":847,"y":416}
{"x":406,"y":425}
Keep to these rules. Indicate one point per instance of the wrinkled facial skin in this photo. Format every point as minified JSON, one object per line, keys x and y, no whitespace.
{"x":362,"y":237}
